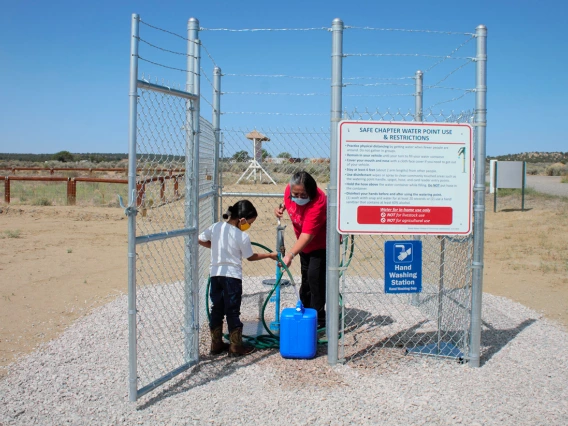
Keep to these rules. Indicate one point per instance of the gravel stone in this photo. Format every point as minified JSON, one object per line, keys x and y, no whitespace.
{"x":81,"y":378}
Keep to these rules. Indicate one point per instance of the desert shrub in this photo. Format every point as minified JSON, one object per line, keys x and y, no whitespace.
{"x":557,"y":169}
{"x":41,"y":202}
{"x":9,"y":233}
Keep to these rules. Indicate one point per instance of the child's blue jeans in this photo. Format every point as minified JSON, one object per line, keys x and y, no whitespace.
{"x":226,"y":294}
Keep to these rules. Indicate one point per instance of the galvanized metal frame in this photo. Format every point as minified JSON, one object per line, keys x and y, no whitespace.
{"x":192,"y":197}
{"x":480,"y":124}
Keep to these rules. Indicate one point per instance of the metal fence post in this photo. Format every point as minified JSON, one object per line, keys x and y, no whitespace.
{"x":191,"y":196}
{"x":133,"y":97}
{"x":418,"y":101}
{"x":480,"y":124}
{"x":418,"y":116}
{"x":332,"y":256}
{"x":216,"y":121}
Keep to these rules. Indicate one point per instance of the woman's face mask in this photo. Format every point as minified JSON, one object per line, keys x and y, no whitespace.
{"x":301,"y":201}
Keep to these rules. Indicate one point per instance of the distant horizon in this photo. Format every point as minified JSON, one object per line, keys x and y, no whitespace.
{"x":126,"y":153}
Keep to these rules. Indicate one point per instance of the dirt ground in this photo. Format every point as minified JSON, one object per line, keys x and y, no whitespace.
{"x":58,"y":263}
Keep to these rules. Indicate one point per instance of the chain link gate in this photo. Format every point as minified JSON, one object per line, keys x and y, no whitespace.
{"x":172,"y":193}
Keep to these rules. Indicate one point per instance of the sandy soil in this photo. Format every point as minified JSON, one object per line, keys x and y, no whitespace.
{"x":57,"y":263}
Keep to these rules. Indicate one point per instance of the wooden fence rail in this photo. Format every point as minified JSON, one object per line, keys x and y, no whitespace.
{"x":72,"y":185}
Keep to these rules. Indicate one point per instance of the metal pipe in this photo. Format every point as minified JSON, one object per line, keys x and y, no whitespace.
{"x":418,"y":103}
{"x":211,"y":193}
{"x":194,"y":249}
{"x":191,"y":273}
{"x":166,"y":90}
{"x":142,"y":239}
{"x":480,"y":124}
{"x":418,"y":100}
{"x":133,"y":98}
{"x":251,"y":194}
{"x":216,"y":121}
{"x":332,"y":254}
{"x":158,"y":382}
{"x":441,"y":291}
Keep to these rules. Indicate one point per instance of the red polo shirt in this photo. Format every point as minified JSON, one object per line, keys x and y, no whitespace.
{"x":309,"y":219}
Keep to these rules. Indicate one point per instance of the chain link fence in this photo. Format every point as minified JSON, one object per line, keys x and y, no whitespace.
{"x":261,"y":178}
{"x":433,"y":322}
{"x":171,"y":271}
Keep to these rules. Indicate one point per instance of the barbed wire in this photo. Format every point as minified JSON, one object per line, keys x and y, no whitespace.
{"x":378,"y":84}
{"x":205,"y":99}
{"x":275,"y":93}
{"x":347,"y":27}
{"x":180,"y":36}
{"x":209,"y":55}
{"x":166,"y":66}
{"x":446,"y":88}
{"x":451,"y":53}
{"x":165,"y":31}
{"x":165,"y":50}
{"x":274,"y":113}
{"x":379,"y":78}
{"x":240,"y":30}
{"x":204,"y":74}
{"x":277,"y":76}
{"x":417,"y":55}
{"x":452,"y":100}
{"x":453,"y":71}
{"x":380,"y":96}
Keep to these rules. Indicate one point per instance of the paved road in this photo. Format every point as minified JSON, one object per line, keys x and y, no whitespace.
{"x":548,"y":185}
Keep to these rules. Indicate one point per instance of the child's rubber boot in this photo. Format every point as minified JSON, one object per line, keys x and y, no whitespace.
{"x":237,"y":347}
{"x":217,"y":344}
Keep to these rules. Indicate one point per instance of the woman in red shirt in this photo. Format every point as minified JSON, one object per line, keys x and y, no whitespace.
{"x":307,"y":207}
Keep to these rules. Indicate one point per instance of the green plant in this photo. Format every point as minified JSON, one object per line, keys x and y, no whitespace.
{"x":11,"y":233}
{"x":41,"y":202}
{"x":69,"y":250}
{"x":556,"y":169}
{"x":63,"y":156}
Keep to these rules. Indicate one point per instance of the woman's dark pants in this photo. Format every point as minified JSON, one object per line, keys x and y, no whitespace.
{"x":312,"y":290}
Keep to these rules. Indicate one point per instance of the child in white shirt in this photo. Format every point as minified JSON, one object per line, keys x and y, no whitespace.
{"x":229,"y":244}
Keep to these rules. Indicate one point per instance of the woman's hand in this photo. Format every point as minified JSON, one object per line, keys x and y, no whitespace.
{"x":279,"y":211}
{"x":287,"y":260}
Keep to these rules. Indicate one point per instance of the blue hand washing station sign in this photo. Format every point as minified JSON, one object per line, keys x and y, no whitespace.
{"x":403,"y":266}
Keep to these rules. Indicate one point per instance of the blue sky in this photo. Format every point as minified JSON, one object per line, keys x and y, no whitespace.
{"x":65,"y":66}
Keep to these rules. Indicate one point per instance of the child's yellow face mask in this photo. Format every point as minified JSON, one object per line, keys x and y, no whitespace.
{"x":244,"y":226}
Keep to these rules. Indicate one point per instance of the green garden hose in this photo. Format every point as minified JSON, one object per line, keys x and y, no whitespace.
{"x":272,"y":341}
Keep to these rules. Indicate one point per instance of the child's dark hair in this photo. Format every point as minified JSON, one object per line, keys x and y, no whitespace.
{"x":305,"y":179}
{"x":243,"y":208}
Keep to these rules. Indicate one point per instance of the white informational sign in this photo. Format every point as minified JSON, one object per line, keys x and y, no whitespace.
{"x":404,"y":178}
{"x":510,"y":174}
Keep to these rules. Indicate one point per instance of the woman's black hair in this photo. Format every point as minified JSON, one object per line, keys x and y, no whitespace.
{"x":243,"y":208}
{"x":305,"y":179}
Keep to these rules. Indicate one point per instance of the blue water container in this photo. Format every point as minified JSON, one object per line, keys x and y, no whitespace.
{"x":298,"y":332}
